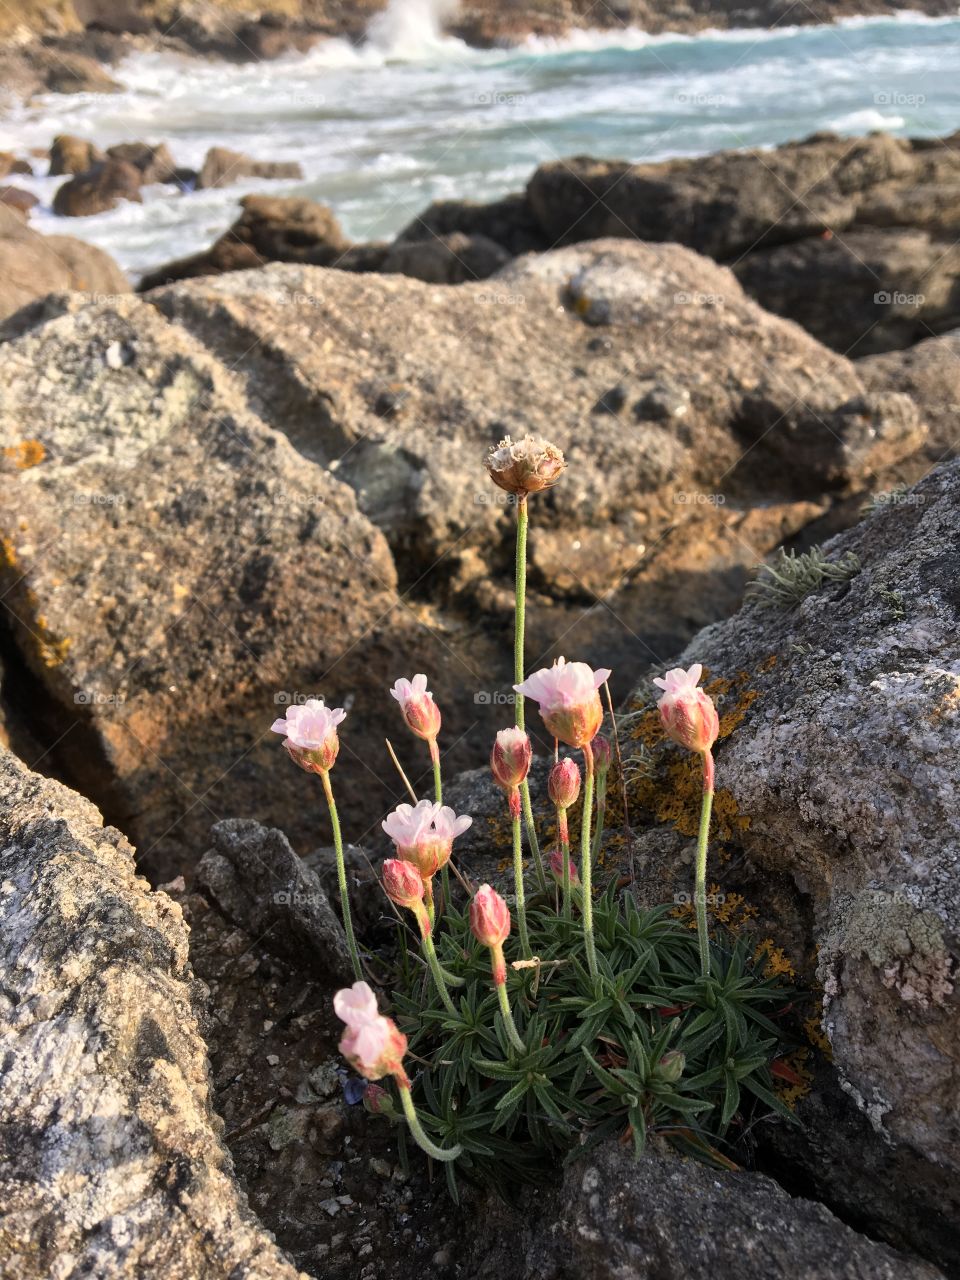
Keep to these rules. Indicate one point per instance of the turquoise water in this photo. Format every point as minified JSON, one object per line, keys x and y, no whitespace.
{"x":409,"y":117}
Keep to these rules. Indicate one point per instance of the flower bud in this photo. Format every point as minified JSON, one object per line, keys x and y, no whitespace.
{"x":563,"y":784}
{"x":489,"y":917}
{"x":372,"y":1044}
{"x":378,"y":1101}
{"x":671,"y":1065}
{"x":525,"y":466}
{"x":419,"y":709}
{"x":556,"y":869}
{"x":688,"y":715}
{"x":510,"y":757}
{"x":602,"y":756}
{"x":402,"y":883}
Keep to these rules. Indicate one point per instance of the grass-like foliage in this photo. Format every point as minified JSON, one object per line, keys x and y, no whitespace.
{"x":651,"y":1046}
{"x":792,"y":577}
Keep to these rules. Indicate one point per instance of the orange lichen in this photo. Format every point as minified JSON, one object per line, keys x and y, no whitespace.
{"x":25,"y":454}
{"x":815,"y":1033}
{"x":792,"y":1077}
{"x":774,"y":961}
{"x":729,"y":909}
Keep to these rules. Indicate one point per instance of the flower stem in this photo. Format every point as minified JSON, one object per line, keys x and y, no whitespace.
{"x":513,"y":1035}
{"x":601,"y":788}
{"x":586,"y":859}
{"x":700,"y":887}
{"x":438,"y":795}
{"x":563,"y":835}
{"x":518,"y":674}
{"x":430,"y":952}
{"x":518,"y":874}
{"x":342,"y":875}
{"x":416,"y":1128}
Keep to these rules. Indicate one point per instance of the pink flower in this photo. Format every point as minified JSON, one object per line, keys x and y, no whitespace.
{"x":402,"y":882}
{"x":489,"y":917}
{"x":510,"y":757}
{"x":419,"y":709}
{"x":372,"y":1044}
{"x":556,"y":868}
{"x":563,"y":783}
{"x":311,"y":734}
{"x":569,"y":701}
{"x":424,"y":834}
{"x":688,"y":715}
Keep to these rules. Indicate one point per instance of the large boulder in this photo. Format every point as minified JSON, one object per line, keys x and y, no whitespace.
{"x":508,"y":222}
{"x":674,"y":1219}
{"x":929,"y":373}
{"x":840,"y":775}
{"x":154,"y":160}
{"x":33,"y":266}
{"x":867,"y":290}
{"x":221,"y":167}
{"x":448,"y":259}
{"x":178,"y":574}
{"x":113,"y":1162}
{"x":98,"y":189}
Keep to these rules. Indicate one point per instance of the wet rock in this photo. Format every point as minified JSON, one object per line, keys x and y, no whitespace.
{"x":449,"y":259}
{"x":261,"y":885}
{"x":19,"y":200}
{"x":112,"y":1154}
{"x":98,"y":190}
{"x":664,"y":1217}
{"x":66,"y":72}
{"x":155,"y":163}
{"x":508,"y":222}
{"x":10,"y":164}
{"x":284,"y":228}
{"x":69,"y":154}
{"x":221,"y":167}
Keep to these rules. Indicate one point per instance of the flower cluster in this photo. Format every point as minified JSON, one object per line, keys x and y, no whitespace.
{"x":606,"y":1016}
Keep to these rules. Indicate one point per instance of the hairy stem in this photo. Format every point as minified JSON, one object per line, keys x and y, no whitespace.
{"x":586,"y":859}
{"x":416,"y":1128}
{"x":563,"y":835}
{"x":700,"y":886}
{"x":500,"y":982}
{"x":342,"y":876}
{"x":518,"y":873}
{"x":438,"y":796}
{"x":518,"y":674}
{"x":430,"y":952}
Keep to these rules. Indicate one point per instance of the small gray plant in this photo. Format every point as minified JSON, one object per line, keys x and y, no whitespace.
{"x":792,"y":577}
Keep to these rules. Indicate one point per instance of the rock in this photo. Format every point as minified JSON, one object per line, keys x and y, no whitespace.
{"x":844,"y":769}
{"x":669,"y":1218}
{"x":119,"y":17}
{"x":449,"y":259}
{"x":866,"y":291}
{"x":10,"y":164}
{"x":66,"y":72}
{"x":98,"y":189}
{"x":113,"y":1162}
{"x":262,"y":886}
{"x":723,"y":205}
{"x":19,"y":200}
{"x":930,"y":374}
{"x":284,"y":228}
{"x":33,"y":266}
{"x":221,"y":167}
{"x":155,"y":585}
{"x":155,"y":163}
{"x":508,"y":222}
{"x":73,"y":155}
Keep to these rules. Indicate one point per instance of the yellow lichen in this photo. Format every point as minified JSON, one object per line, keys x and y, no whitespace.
{"x":774,"y":961}
{"x":25,"y":454}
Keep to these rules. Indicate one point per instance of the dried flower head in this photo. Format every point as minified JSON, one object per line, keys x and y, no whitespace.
{"x":525,"y":466}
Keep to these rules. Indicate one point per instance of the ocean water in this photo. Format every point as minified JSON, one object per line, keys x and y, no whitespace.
{"x":410,"y":116}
